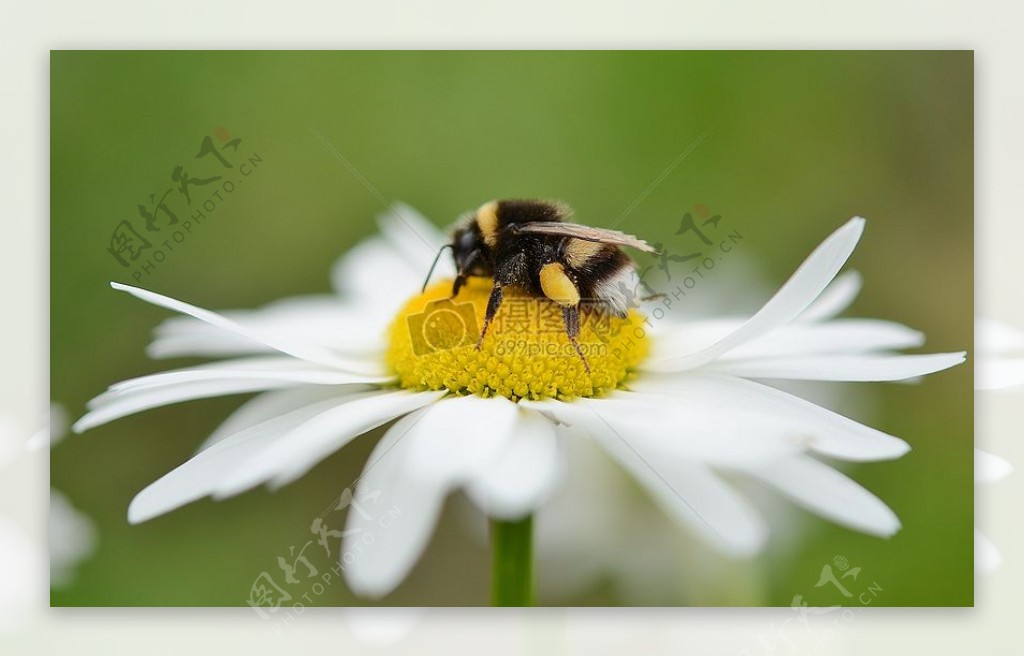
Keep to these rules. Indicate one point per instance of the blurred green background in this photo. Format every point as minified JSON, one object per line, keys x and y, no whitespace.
{"x":798,"y":143}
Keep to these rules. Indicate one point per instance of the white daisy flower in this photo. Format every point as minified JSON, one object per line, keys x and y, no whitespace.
{"x":677,"y":405}
{"x":999,"y":365}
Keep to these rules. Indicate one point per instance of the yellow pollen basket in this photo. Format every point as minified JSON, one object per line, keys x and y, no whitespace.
{"x":526,"y":353}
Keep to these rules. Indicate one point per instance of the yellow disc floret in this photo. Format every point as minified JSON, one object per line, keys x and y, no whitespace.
{"x":526,"y":352}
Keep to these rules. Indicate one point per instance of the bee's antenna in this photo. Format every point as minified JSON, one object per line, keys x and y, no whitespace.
{"x":434,"y":264}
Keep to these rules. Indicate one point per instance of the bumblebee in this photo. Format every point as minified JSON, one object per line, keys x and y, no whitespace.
{"x":531,"y":245}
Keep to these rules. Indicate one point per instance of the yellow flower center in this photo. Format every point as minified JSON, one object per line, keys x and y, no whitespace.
{"x":526,"y":352}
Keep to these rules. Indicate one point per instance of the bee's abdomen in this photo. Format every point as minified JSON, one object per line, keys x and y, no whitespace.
{"x":606,"y":275}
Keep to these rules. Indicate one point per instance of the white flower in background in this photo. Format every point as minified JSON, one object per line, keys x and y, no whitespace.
{"x":72,"y":539}
{"x":380,"y":627}
{"x":72,"y":534}
{"x":54,"y":429}
{"x":20,"y":572}
{"x":678,"y":408}
{"x":999,"y":355}
{"x":21,"y":569}
{"x":988,"y":469}
{"x":998,"y":365}
{"x":9,"y":447}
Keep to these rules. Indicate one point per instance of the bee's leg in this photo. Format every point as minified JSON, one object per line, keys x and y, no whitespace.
{"x":656,"y":295}
{"x":463,"y":266}
{"x":492,"y":309}
{"x":571,"y":316}
{"x":460,"y":280}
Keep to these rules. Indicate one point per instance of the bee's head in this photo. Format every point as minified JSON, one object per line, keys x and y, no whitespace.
{"x":469,"y":252}
{"x":467,"y":249}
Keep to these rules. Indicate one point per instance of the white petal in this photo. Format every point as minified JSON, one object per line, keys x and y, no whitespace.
{"x":376,"y":275}
{"x":831,"y":434}
{"x":268,"y":367}
{"x":404,"y":255}
{"x":411,"y":234}
{"x":305,"y":352}
{"x":803,"y":287}
{"x":836,"y":298}
{"x":411,"y":505}
{"x":108,"y":407}
{"x":686,"y":427}
{"x":460,"y":436}
{"x":828,"y":367}
{"x":830,"y":494}
{"x":986,"y":555}
{"x":522,"y":476}
{"x":673,"y":340}
{"x":998,"y":373}
{"x":588,"y":520}
{"x":992,"y":337}
{"x":989,"y":468}
{"x":352,"y":329}
{"x":684,"y":488}
{"x":801,"y":338}
{"x":272,"y":404}
{"x":420,"y":460}
{"x":204,"y":342}
{"x":304,"y":446}
{"x":834,"y":337}
{"x":200,"y":475}
{"x":694,"y":494}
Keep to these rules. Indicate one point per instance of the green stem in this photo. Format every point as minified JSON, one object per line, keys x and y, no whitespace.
{"x":512,"y":563}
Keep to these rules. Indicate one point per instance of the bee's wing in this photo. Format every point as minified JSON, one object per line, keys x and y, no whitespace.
{"x":604,"y":235}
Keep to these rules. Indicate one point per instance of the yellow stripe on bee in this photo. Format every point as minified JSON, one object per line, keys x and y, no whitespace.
{"x":557,"y":286}
{"x":487,"y":220}
{"x":578,"y":252}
